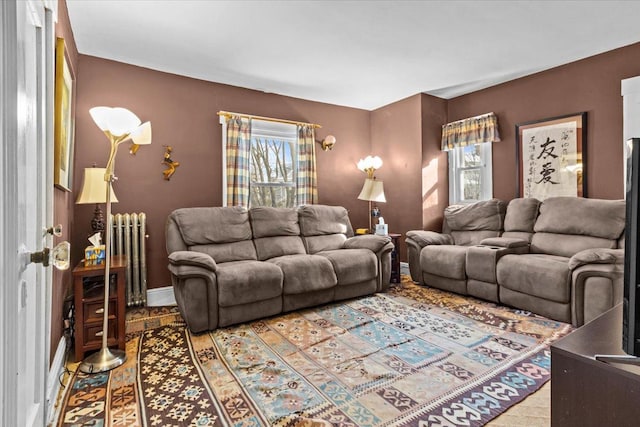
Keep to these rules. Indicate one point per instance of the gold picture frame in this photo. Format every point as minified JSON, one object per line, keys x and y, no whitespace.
{"x":551,"y":155}
{"x":63,"y":129}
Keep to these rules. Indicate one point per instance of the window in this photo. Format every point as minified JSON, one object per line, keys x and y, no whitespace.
{"x":273,"y":166}
{"x":470,"y":177}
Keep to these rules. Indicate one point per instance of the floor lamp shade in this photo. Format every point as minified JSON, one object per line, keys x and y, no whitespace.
{"x":94,"y":190}
{"x":94,"y":187}
{"x":373,"y":191}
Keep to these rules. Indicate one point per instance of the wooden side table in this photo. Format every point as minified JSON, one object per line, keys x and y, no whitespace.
{"x":395,"y":257}
{"x":88,"y":291}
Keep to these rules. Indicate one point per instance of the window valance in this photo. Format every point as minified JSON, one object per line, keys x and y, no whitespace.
{"x":474,"y":130}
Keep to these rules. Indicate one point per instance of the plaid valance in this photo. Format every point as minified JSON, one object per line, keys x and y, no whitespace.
{"x":474,"y":130}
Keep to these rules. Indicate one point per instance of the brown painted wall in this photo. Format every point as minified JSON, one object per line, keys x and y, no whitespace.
{"x":62,"y":201}
{"x":396,"y":136}
{"x":591,"y":85}
{"x":183,"y":114}
{"x":435,"y":177}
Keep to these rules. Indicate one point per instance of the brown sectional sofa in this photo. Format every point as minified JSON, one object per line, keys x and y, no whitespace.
{"x":231,"y":265}
{"x":561,"y":258}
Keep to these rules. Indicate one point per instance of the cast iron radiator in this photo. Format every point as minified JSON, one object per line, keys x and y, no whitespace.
{"x":129,"y":239}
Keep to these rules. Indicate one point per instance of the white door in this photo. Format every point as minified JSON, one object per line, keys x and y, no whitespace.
{"x":26,"y":189}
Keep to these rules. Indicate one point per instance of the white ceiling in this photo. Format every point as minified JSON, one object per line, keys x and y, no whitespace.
{"x":363,"y":54}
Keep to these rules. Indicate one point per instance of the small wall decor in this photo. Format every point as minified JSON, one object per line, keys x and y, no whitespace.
{"x":551,"y":157}
{"x":171,"y":164}
{"x":63,"y":119}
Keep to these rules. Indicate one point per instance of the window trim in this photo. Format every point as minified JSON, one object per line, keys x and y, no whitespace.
{"x":455,"y":172}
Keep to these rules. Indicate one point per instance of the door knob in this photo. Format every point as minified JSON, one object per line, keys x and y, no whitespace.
{"x":59,"y":256}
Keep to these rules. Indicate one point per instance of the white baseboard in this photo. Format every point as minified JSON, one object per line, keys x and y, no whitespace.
{"x":53,"y":383}
{"x":160,"y":296}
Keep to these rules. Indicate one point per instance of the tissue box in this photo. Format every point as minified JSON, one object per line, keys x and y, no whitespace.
{"x":382,"y":229}
{"x":94,"y":254}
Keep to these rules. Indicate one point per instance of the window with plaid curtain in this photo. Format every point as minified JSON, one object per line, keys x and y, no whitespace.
{"x":468,"y":142}
{"x":237,"y":155}
{"x":307,"y":180}
{"x":269,"y":164}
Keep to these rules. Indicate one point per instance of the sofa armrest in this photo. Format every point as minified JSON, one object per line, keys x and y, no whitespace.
{"x":595,"y":288}
{"x":504,"y":242}
{"x":424,"y":238}
{"x":372,"y":242}
{"x":596,"y":256}
{"x":194,"y":259}
{"x":382,"y":247}
{"x":195,"y":288}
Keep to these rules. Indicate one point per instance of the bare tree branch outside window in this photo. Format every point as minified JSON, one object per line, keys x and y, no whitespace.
{"x":272,"y":172}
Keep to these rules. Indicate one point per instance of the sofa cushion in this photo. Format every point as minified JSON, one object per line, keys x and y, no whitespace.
{"x":424,"y":238}
{"x":327,"y":242}
{"x":352,"y":265}
{"x":565,"y":215}
{"x":317,"y":220}
{"x":444,"y":260}
{"x":468,"y":238}
{"x":267,"y":222}
{"x":305,"y":273}
{"x":201,"y":226}
{"x":243,"y":282}
{"x":543,"y":276}
{"x":227,"y":252}
{"x":271,"y":247}
{"x":567,"y":245}
{"x":483,"y":215}
{"x":521,"y":215}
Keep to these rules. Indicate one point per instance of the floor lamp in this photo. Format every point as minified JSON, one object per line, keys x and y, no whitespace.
{"x":119,"y":125}
{"x":372,"y":190}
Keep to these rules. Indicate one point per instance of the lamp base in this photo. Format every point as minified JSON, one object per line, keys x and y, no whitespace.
{"x":102,"y":361}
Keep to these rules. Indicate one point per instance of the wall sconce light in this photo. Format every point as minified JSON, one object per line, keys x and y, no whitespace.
{"x":328,"y":142}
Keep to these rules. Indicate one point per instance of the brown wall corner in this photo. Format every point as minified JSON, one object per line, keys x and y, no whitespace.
{"x":396,"y":136}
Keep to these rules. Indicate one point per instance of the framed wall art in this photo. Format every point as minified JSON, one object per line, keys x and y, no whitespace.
{"x":551,"y":157}
{"x":63,"y":119}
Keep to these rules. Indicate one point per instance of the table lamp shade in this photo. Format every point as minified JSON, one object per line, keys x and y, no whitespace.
{"x":373,"y":191}
{"x":94,"y":187}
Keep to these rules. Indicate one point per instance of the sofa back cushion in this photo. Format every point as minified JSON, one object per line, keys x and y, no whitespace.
{"x":324,"y":227}
{"x":275,"y":232}
{"x":469,"y":224}
{"x":567,"y":225}
{"x":520,"y":218}
{"x":222,"y":232}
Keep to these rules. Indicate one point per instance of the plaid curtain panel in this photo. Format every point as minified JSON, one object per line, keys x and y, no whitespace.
{"x":474,"y":130}
{"x":307,"y":184}
{"x":238,"y":158}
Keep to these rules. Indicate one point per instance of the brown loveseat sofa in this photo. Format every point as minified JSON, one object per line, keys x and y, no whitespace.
{"x":561,"y":258}
{"x":231,"y":265}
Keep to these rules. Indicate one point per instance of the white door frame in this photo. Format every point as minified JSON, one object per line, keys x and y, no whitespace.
{"x":42,"y":13}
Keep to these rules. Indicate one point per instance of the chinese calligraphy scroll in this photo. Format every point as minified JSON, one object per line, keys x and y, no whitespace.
{"x":551,"y":158}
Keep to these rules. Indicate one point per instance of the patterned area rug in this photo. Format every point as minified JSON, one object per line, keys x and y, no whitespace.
{"x":410,"y":357}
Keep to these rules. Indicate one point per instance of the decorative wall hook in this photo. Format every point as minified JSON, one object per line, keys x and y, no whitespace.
{"x":169,"y":162}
